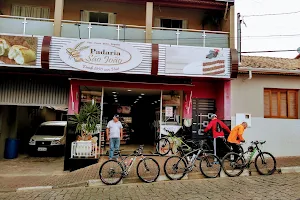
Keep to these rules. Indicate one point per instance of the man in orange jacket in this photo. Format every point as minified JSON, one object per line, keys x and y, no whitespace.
{"x":236,"y":136}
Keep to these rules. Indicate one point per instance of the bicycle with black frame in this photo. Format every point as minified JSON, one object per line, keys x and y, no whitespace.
{"x":176,"y":167}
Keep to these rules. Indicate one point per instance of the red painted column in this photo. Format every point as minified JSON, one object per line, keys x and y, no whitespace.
{"x":188,"y":105}
{"x":219,"y":90}
{"x":227,"y":100}
{"x":73,"y":99}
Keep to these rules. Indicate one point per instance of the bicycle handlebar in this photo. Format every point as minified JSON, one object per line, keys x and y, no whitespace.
{"x":258,"y":142}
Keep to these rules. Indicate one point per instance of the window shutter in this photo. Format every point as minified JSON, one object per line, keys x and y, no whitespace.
{"x":184,"y":24}
{"x":267,"y":105}
{"x":112,"y":18}
{"x":15,"y":10}
{"x":274,"y":104}
{"x":292,"y":104}
{"x":157,"y":22}
{"x":283,"y":104}
{"x":85,"y":15}
{"x":30,"y":11}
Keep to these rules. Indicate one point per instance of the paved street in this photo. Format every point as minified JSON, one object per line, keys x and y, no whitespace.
{"x":257,"y":187}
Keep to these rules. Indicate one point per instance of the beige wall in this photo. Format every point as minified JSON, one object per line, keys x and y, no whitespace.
{"x":193,"y":16}
{"x":248,"y":95}
{"x":281,"y":135}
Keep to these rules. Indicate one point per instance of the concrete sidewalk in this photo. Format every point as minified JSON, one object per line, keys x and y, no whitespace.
{"x":82,"y":176}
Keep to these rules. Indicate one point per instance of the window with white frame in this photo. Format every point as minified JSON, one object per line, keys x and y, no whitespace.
{"x":30,"y":11}
{"x":98,"y":17}
{"x":170,"y":23}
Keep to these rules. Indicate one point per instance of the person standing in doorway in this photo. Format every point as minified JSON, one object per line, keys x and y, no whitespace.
{"x":114,"y":131}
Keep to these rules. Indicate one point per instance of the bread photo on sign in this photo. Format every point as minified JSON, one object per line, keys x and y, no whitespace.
{"x":4,"y":47}
{"x":21,"y":55}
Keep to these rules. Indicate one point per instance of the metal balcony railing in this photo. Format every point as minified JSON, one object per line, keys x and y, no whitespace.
{"x":190,"y":37}
{"x":127,"y":33}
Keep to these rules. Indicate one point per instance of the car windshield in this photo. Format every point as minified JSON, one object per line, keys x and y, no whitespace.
{"x":51,"y":130}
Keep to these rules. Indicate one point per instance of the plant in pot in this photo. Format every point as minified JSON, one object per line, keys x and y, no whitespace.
{"x":87,"y":121}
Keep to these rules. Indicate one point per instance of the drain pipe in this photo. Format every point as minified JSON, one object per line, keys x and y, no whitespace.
{"x":250,"y":74}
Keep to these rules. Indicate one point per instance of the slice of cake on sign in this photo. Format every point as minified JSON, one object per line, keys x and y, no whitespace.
{"x":214,"y":63}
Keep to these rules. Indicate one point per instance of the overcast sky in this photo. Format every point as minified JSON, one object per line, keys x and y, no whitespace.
{"x":270,"y":25}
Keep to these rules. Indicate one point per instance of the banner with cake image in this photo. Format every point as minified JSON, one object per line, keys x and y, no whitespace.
{"x":197,"y":61}
{"x":18,"y":50}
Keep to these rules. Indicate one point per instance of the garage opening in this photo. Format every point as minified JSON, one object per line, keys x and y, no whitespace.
{"x":26,"y":102}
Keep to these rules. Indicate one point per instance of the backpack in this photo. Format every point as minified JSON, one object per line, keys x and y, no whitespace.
{"x":219,"y":128}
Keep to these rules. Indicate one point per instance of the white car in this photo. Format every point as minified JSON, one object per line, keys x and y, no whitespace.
{"x":50,"y":137}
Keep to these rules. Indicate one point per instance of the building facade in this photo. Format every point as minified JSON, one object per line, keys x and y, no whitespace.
{"x":167,"y":49}
{"x":267,"y":89}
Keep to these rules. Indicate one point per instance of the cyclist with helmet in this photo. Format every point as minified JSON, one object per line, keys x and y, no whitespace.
{"x":217,"y":127}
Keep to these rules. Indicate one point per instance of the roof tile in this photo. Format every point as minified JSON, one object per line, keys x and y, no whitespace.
{"x":270,"y":63}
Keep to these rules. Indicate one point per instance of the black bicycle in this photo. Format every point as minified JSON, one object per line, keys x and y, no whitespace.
{"x":112,"y":171}
{"x":177,"y":167}
{"x":234,"y":164}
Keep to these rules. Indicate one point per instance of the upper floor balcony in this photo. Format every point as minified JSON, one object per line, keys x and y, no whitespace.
{"x":129,"y":22}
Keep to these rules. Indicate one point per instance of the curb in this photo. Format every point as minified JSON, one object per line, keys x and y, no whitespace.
{"x":98,"y":182}
{"x":78,"y":184}
{"x":34,"y":188}
{"x":288,"y":170}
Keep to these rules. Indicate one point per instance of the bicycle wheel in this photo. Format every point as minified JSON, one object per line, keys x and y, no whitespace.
{"x":233,"y":164}
{"x":177,"y":168}
{"x":148,"y":170}
{"x":163,"y":146}
{"x":210,"y":166}
{"x":111,"y":172}
{"x":265,"y":159}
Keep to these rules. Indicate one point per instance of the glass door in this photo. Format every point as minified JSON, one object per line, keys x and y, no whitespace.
{"x":170,"y":112}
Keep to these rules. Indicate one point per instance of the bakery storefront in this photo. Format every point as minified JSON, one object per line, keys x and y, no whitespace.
{"x":155,"y":88}
{"x":161,"y":88}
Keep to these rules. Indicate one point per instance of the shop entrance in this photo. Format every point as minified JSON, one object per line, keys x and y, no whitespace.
{"x":146,"y":114}
{"x":137,"y":109}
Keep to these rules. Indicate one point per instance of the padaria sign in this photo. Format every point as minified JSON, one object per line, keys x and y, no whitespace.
{"x":101,"y":56}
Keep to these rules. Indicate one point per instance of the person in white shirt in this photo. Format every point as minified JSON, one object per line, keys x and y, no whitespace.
{"x":114,"y":131}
